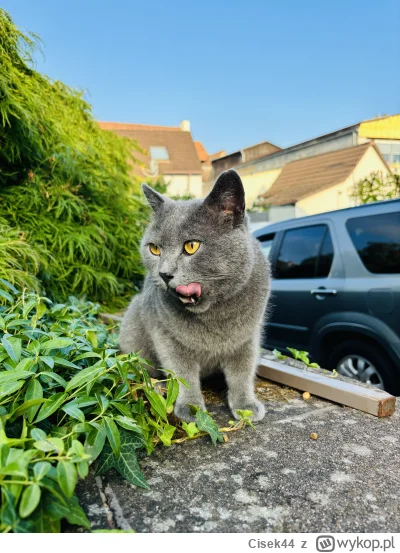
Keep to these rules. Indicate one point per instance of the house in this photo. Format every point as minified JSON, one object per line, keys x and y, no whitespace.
{"x":168,"y":152}
{"x":206,"y":160}
{"x":260,"y":174}
{"x":323,"y":182}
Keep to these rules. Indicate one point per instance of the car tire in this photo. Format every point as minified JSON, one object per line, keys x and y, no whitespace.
{"x":372,"y":354}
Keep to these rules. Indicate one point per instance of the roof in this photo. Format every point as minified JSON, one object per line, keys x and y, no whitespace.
{"x":304,"y":177}
{"x":183,"y":158}
{"x":201,"y":151}
{"x":217,"y":155}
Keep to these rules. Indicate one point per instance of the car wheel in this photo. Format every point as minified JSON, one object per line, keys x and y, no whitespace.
{"x":365,"y":362}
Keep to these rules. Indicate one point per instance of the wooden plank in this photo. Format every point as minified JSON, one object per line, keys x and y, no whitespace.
{"x":370,"y":400}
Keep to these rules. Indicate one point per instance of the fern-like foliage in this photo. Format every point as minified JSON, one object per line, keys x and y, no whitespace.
{"x":65,"y":183}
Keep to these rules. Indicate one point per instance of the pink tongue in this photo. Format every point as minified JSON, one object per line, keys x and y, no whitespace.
{"x":192,"y":289}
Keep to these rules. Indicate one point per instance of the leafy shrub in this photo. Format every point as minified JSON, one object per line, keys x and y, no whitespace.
{"x":67,"y":399}
{"x":64,"y":182}
{"x":376,"y":187}
{"x":19,"y":261}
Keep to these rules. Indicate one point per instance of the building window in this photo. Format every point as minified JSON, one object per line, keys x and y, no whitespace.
{"x":387,"y":157}
{"x":376,"y":239}
{"x":159,"y":153}
{"x":396,"y":158}
{"x":305,"y":252}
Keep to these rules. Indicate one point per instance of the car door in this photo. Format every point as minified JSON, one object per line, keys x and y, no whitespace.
{"x":307,"y":284}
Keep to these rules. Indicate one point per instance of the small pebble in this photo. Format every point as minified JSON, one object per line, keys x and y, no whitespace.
{"x":306,"y":395}
{"x":314,"y":436}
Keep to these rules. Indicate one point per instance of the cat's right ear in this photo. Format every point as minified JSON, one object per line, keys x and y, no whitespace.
{"x":156,"y":201}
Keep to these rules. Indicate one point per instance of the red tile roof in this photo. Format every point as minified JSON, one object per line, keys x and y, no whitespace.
{"x":182,"y":153}
{"x":201,"y":151}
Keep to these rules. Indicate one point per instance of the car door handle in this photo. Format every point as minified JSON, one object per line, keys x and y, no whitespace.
{"x":323,"y":292}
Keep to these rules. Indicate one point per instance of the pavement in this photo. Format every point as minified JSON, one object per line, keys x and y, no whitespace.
{"x":273,"y":478}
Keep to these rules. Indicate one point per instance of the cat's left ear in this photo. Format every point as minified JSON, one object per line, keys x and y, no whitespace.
{"x":227,"y":197}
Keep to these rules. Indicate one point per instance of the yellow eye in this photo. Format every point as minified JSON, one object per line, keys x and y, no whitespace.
{"x":155,"y":250}
{"x":191,"y":247}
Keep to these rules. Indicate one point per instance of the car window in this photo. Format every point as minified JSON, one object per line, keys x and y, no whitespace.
{"x":377,"y":241}
{"x":266,"y":242}
{"x":305,"y":252}
{"x":325,"y":258}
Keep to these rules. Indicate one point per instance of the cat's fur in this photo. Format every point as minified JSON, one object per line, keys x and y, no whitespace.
{"x":221,"y":332}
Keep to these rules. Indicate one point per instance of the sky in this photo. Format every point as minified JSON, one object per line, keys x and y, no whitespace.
{"x":242,"y":71}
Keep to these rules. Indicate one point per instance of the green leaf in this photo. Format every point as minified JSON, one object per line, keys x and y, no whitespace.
{"x":29,"y":500}
{"x":158,"y":403}
{"x":27,"y":406}
{"x":38,"y":434}
{"x":12,"y":346}
{"x":74,"y":412}
{"x":11,"y":376}
{"x":167,"y":434}
{"x":57,"y":343}
{"x":103,"y":402}
{"x":190,"y":428}
{"x":83,"y":377}
{"x":207,"y":424}
{"x":40,"y":310}
{"x":60,"y":361}
{"x":172,"y":393}
{"x":66,"y":474}
{"x":128,"y":423}
{"x":41,"y":469}
{"x":92,"y":337}
{"x":94,"y":443}
{"x":49,"y":361}
{"x":33,"y":391}
{"x":51,"y":405}
{"x":113,"y":435}
{"x":6,"y":296}
{"x":127,"y":464}
{"x":25,"y":364}
{"x":10,"y":387}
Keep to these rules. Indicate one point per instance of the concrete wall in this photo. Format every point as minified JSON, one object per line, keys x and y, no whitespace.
{"x":338,"y":197}
{"x":178,"y":185}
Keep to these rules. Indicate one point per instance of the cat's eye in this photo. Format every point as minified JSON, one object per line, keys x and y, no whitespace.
{"x":191,"y":247}
{"x":155,"y":250}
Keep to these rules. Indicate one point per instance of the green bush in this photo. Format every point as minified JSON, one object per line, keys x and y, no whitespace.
{"x":376,"y":187}
{"x":65,"y":183}
{"x":68,"y":399}
{"x":19,"y":261}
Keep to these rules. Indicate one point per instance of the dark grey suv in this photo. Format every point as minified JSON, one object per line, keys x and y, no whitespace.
{"x":336,"y":290}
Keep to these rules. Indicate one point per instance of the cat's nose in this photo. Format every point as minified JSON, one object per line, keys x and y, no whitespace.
{"x":166,"y":277}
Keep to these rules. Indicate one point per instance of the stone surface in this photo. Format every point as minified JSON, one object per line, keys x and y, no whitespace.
{"x":271,"y":479}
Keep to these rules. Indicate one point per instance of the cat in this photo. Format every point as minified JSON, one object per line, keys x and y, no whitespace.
{"x":204,"y":297}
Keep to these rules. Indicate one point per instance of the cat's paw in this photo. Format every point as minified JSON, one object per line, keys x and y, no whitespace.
{"x":183,"y":411}
{"x":256,"y":406}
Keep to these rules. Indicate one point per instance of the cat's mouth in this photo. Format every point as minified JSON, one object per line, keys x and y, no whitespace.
{"x":189,"y":295}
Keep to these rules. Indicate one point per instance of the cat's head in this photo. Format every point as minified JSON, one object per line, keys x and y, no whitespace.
{"x":199,"y":251}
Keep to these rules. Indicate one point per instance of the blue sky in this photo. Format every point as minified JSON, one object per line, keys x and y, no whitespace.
{"x":240,"y":71}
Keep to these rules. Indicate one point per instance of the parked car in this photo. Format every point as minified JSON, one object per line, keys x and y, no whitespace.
{"x":336,"y":290}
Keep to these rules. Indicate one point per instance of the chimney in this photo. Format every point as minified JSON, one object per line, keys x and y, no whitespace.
{"x":185,"y":125}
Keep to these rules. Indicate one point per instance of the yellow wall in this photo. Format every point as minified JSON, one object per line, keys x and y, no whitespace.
{"x":178,"y":185}
{"x":338,"y":197}
{"x":257,"y":183}
{"x":385,"y":127}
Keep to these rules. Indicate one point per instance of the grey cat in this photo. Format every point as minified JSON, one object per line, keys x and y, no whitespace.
{"x":204,"y":297}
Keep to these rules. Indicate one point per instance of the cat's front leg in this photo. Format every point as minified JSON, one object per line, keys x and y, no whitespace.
{"x":183,"y":367}
{"x":239,"y":372}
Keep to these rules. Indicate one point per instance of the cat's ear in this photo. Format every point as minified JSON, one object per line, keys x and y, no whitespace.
{"x":156,"y":201}
{"x":227,"y":197}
